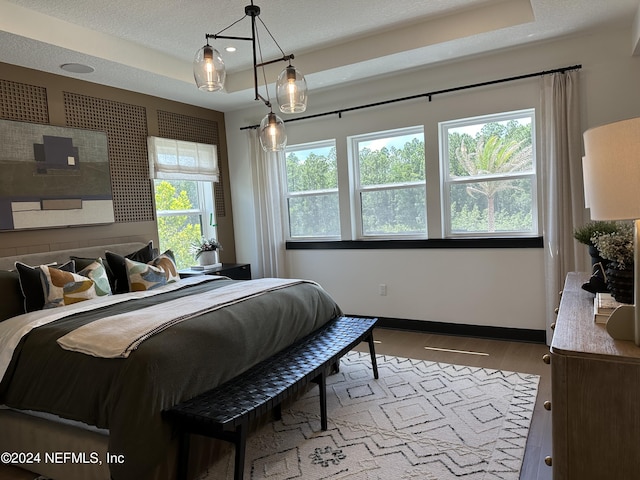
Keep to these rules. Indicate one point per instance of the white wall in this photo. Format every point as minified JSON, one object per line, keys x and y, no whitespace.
{"x":495,"y":287}
{"x":500,"y":287}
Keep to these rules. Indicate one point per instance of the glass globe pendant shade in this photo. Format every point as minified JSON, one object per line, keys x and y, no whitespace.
{"x":208,"y":69}
{"x":273,"y":136}
{"x":291,"y":91}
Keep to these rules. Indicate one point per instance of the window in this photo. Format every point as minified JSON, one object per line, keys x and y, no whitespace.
{"x":184,"y":210}
{"x":389,"y":183}
{"x":311,"y":191}
{"x":489,"y":175}
{"x":183,"y":173}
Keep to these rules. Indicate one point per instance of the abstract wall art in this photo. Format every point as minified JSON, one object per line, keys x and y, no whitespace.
{"x":53,"y":177}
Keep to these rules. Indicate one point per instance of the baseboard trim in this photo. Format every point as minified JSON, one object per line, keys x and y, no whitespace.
{"x":483,"y":331}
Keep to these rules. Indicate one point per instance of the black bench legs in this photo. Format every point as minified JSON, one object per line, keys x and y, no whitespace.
{"x":372,"y":352}
{"x":239,"y":439}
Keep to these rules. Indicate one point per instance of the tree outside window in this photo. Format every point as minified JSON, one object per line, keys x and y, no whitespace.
{"x":181,"y":207}
{"x":390,"y":188}
{"x":489,"y":175}
{"x":311,"y":193}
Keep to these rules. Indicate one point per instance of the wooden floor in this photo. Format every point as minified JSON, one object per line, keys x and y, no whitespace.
{"x":498,"y":354}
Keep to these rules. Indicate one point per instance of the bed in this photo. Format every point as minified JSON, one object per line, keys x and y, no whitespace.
{"x":84,"y":387}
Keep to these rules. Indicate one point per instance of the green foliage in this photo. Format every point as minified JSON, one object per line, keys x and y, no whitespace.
{"x":585,"y":233}
{"x":474,"y":220}
{"x":177,"y":232}
{"x":499,"y":148}
{"x":503,"y":205}
{"x":314,"y":214}
{"x":392,"y":165}
{"x":316,"y":172}
{"x":399,"y":210}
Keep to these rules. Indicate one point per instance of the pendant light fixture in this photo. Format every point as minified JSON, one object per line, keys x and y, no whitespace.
{"x":273,"y":136}
{"x":208,"y":69}
{"x":291,"y":90}
{"x":291,"y":87}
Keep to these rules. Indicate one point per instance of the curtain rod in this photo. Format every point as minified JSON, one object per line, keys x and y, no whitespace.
{"x":429,"y":95}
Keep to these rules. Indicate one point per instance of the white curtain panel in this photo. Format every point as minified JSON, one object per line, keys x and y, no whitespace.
{"x":269,"y":227}
{"x":563,"y":192}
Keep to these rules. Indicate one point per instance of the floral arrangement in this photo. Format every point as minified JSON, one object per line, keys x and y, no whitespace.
{"x":585,"y":233}
{"x":204,"y":245}
{"x":616,"y":246}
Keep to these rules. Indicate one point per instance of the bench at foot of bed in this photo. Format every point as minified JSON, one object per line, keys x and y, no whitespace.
{"x":226,"y":411}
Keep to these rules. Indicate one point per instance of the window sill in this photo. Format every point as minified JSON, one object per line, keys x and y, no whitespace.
{"x":514,"y":242}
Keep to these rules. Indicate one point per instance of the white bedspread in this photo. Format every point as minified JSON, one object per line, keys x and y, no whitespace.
{"x":117,"y":336}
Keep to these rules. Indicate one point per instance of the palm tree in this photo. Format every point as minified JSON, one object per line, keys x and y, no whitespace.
{"x":495,"y":156}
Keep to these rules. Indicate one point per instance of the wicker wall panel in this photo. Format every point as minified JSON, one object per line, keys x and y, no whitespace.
{"x":126,"y":129}
{"x":192,"y":129}
{"x":22,"y":102}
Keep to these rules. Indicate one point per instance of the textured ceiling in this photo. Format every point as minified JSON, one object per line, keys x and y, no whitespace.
{"x":148,"y":46}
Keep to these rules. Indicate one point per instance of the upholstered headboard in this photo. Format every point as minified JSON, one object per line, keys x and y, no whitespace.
{"x":21,"y":291}
{"x":62,"y":256}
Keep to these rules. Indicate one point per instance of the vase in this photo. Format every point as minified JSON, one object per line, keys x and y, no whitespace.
{"x":595,"y":257}
{"x":620,"y":282}
{"x":208,"y":258}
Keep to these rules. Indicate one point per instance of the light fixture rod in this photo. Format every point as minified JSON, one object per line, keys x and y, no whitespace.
{"x":253,"y":12}
{"x":260,"y":97}
{"x":286,"y":58}
{"x":225,"y":37}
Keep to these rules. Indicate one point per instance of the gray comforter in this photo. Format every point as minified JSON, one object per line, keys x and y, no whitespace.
{"x":128,"y":395}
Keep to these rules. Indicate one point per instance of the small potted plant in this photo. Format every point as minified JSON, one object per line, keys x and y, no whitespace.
{"x":592,"y":229}
{"x":206,"y":251}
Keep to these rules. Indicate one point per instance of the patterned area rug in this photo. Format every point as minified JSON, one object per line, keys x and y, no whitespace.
{"x":421,"y":420}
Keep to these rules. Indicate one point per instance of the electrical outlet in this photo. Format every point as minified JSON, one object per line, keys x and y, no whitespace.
{"x":382,"y":289}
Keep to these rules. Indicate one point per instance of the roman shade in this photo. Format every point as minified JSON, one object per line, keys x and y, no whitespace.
{"x":178,"y":160}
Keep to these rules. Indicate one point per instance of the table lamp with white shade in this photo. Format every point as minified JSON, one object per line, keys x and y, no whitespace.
{"x":612,"y":189}
{"x":586,"y":177}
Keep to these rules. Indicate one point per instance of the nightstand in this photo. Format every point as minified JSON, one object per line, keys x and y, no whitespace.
{"x":235,"y":271}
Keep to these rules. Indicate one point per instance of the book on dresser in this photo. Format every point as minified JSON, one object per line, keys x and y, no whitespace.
{"x":603,"y":306}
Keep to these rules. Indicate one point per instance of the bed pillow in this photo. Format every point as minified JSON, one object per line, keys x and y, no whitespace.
{"x":167,"y":261}
{"x":119,"y":268}
{"x":84,"y":262}
{"x":31,"y":284}
{"x":64,"y":288}
{"x":156,"y":273}
{"x":12,"y":303}
{"x":97,"y":272}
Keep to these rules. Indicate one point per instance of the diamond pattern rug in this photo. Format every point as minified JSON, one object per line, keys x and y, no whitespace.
{"x":420,"y":420}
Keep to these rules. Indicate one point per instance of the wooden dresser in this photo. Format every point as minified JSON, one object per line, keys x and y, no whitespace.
{"x":595,"y":394}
